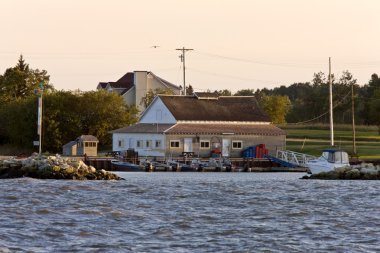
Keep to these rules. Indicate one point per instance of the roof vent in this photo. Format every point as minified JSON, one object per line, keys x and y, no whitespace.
{"x":206,"y":95}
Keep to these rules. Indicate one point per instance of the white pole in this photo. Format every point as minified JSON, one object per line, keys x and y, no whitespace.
{"x":39,"y":122}
{"x":331,"y":108}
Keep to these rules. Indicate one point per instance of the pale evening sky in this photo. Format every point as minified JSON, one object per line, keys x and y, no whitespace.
{"x":238,"y":44}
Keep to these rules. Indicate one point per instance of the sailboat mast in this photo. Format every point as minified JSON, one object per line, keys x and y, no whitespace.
{"x":331,"y":108}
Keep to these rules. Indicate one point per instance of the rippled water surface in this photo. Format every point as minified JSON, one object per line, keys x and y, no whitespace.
{"x":190,"y":212}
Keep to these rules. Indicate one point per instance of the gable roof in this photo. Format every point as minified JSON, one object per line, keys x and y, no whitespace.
{"x":231,"y":108}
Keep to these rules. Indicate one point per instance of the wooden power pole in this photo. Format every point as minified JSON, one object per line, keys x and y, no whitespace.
{"x":182,"y":56}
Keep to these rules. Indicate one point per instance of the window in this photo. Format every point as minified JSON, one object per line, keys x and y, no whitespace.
{"x":158,"y":144}
{"x":237,"y":144}
{"x":139,"y":144}
{"x":121,"y":143}
{"x":148,"y":144}
{"x":86,"y":144}
{"x":174,"y":144}
{"x":205,"y":144}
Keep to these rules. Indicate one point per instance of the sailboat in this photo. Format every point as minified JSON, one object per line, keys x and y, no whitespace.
{"x":331,"y":158}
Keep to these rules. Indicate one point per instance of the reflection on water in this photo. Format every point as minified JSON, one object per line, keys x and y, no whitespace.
{"x":190,"y":212}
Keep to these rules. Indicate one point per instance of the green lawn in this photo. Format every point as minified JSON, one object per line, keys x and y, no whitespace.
{"x":312,"y":139}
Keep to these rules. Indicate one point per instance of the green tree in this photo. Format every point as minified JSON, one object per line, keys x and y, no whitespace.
{"x":21,"y":81}
{"x":189,"y":90}
{"x":224,"y":92}
{"x":374,"y":108}
{"x":150,"y":95}
{"x":245,"y":92}
{"x":66,"y":115}
{"x":276,"y":107}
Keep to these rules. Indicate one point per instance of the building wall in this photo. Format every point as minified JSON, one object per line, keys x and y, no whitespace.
{"x":141,"y":87}
{"x":158,"y":113}
{"x":125,"y":141}
{"x":272,"y":143}
{"x":70,"y":150}
{"x":130,"y":97}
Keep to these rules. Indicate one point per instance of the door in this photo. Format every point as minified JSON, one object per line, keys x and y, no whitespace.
{"x":188,"y":145}
{"x":226,"y":143}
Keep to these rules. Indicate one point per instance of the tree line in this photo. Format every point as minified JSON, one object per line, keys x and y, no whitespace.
{"x":308,"y":102}
{"x":66,"y":115}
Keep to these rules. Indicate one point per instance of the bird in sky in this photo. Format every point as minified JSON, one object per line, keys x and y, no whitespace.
{"x":155,"y":46}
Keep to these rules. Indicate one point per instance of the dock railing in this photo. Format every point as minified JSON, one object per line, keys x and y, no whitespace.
{"x":299,"y":159}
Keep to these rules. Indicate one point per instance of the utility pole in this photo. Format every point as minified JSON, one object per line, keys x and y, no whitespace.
{"x":331,"y":108}
{"x":353,"y":121}
{"x":182,"y":56}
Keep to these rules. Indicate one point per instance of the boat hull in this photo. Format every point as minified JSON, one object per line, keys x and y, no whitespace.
{"x":126,"y":167}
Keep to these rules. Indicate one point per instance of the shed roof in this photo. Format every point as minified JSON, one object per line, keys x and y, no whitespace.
{"x":87,"y":138}
{"x":231,"y":108}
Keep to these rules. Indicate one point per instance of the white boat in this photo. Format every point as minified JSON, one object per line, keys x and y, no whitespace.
{"x":330,"y":159}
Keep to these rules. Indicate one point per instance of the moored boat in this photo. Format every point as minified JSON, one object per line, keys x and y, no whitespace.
{"x":330,"y":159}
{"x":125,"y":166}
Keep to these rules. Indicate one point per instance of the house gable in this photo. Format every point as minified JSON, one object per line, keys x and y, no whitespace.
{"x":157,"y":112}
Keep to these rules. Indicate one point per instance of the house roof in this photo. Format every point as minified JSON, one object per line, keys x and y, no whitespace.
{"x":126,"y":82}
{"x":144,"y":128}
{"x":70,"y":144}
{"x":227,"y":129}
{"x":231,"y":108}
{"x":164,"y":82}
{"x":87,"y":138}
{"x":103,"y":85}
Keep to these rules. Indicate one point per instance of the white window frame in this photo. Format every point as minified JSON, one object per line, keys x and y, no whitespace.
{"x":158,"y":144}
{"x":237,"y":142}
{"x":175,"y":141}
{"x":204,"y":141}
{"x":139,"y":144}
{"x":120,"y":143}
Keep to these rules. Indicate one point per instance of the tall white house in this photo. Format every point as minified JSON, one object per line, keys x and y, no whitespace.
{"x":133,"y":87}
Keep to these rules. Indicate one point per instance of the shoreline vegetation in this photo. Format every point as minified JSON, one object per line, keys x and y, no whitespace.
{"x":52,"y":167}
{"x":313,"y":138}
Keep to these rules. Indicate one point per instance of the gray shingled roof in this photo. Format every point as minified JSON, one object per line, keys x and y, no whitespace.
{"x":231,"y":108}
{"x":87,"y":138}
{"x":240,"y":129}
{"x":144,"y":128}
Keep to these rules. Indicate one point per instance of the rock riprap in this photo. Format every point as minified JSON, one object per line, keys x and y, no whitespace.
{"x":52,"y":167}
{"x":364,"y":171}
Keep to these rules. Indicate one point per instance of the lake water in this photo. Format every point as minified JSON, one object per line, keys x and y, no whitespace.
{"x":190,"y":212}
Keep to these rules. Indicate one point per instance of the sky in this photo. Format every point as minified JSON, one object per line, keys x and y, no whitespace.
{"x":238,"y":44}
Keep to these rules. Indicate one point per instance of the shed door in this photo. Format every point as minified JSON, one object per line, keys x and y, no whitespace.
{"x":226,"y":143}
{"x":188,"y":145}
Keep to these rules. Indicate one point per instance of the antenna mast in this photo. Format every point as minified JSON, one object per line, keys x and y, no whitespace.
{"x":331,"y":108}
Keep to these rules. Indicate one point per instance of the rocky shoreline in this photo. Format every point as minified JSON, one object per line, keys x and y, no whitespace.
{"x":364,"y":171}
{"x":52,"y":167}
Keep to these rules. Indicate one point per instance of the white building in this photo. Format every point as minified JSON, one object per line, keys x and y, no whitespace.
{"x":200,"y":125}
